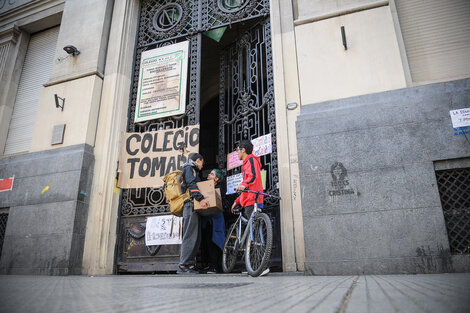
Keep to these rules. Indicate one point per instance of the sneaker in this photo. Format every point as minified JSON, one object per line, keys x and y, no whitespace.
{"x":211,"y":270}
{"x":183,"y":269}
{"x":265,"y":272}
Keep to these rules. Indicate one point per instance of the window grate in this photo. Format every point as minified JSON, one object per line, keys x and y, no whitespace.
{"x":3,"y":226}
{"x":454,"y":190}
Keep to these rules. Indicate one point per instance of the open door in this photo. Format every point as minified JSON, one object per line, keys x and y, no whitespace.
{"x":230,"y":94}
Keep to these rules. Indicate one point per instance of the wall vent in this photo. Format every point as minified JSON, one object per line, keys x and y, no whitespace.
{"x":454,"y":190}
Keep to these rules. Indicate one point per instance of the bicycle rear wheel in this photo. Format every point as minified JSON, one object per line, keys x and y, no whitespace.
{"x":230,"y":252}
{"x":258,"y":248}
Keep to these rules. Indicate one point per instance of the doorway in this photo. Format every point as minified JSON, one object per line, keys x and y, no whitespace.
{"x":230,"y":94}
{"x":237,"y":103}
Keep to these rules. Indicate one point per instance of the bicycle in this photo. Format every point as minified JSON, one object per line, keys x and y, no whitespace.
{"x":257,"y":246}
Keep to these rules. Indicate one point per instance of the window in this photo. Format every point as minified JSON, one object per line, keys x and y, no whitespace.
{"x":37,"y":67}
{"x":436,"y":37}
{"x":3,"y":226}
{"x":454,"y":190}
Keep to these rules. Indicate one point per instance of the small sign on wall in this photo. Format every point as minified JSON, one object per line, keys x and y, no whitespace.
{"x":162,"y":82}
{"x":58,"y":134}
{"x":163,"y":230}
{"x":262,"y":145}
{"x":6,"y":184}
{"x":233,"y":182}
{"x":460,"y":117}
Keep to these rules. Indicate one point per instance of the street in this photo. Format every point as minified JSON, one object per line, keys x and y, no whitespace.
{"x":275,"y":292}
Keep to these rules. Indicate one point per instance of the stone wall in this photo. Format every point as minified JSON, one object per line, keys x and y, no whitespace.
{"x":369,"y":192}
{"x":48,"y":208}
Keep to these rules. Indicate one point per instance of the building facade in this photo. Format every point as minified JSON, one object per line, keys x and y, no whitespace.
{"x":355,"y":94}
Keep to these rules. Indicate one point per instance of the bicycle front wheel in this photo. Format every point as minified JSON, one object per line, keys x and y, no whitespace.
{"x":259,"y":245}
{"x":230,"y":252}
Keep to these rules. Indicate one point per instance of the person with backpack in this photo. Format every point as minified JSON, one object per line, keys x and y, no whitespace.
{"x":191,"y":220}
{"x":251,"y":170}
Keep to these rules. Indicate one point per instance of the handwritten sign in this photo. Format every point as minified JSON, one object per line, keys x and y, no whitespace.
{"x":233,"y":182}
{"x":147,"y":157}
{"x":162,"y":82}
{"x":460,"y":117}
{"x":262,"y":145}
{"x":233,"y":161}
{"x":163,"y":230}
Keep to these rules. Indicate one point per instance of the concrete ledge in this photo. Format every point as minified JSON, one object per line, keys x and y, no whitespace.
{"x":404,"y":94}
{"x":348,"y":10}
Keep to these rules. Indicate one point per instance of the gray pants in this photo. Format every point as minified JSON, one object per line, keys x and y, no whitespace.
{"x":191,"y":235}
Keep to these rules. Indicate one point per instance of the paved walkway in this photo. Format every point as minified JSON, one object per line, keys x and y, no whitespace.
{"x":236,"y":293}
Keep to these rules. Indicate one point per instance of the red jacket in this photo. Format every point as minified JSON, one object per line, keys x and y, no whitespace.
{"x":251,"y":170}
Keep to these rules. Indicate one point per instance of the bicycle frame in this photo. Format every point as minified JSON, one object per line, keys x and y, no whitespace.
{"x":242,"y":220}
{"x":257,"y":247}
{"x":249,"y":220}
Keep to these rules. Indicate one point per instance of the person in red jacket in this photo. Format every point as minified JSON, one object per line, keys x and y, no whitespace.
{"x":251,"y":170}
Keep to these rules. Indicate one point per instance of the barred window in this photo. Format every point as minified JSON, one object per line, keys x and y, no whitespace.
{"x":454,"y":190}
{"x":3,"y":225}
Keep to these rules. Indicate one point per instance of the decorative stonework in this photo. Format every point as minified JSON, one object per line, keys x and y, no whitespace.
{"x":234,"y":9}
{"x":10,"y":35}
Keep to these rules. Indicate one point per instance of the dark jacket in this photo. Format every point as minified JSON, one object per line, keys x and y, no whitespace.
{"x":218,"y":223}
{"x":190,"y":178}
{"x":251,"y":170}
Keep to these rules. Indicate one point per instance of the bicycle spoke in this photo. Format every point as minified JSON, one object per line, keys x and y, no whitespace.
{"x":260,"y":240}
{"x":260,"y":247}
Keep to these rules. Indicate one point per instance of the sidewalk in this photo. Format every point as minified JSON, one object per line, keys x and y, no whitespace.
{"x":236,"y":293}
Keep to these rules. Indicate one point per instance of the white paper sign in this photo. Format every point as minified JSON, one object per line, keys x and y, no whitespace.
{"x":460,"y":117}
{"x":162,"y":82}
{"x":262,"y":145}
{"x":163,"y":230}
{"x":233,"y":182}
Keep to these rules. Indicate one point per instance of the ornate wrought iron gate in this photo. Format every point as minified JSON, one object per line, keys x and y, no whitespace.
{"x":247,"y":105}
{"x":247,"y":109}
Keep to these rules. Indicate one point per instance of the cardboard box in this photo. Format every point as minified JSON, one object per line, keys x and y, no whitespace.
{"x":212,"y":195}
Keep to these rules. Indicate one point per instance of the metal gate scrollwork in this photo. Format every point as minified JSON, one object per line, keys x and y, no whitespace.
{"x":145,"y":201}
{"x":247,"y":111}
{"x":183,"y":21}
{"x":165,"y":22}
{"x":247,"y":98}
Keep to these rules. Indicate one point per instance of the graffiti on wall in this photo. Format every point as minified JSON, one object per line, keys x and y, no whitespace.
{"x":340,"y":181}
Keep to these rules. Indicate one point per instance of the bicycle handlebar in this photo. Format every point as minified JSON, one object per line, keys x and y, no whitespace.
{"x":261,"y":193}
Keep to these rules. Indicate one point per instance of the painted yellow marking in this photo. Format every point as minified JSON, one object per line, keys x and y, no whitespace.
{"x":116,"y":189}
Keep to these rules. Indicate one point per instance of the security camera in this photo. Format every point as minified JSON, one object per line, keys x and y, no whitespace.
{"x":71,"y":50}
